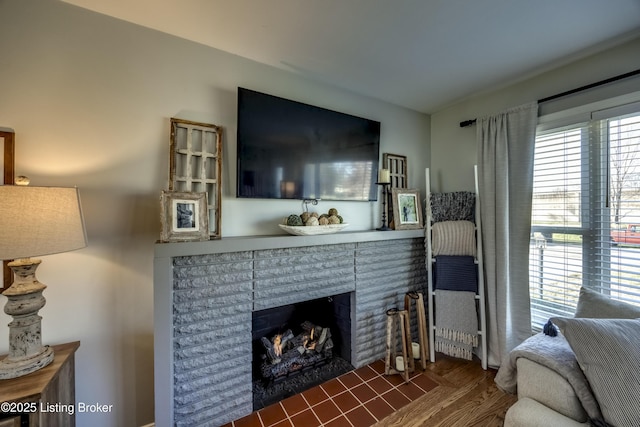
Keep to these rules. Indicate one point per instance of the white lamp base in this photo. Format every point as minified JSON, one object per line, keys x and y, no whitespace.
{"x":14,"y":368}
{"x":26,"y":353}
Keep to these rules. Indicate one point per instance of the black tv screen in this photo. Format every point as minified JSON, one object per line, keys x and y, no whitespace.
{"x":291,"y":150}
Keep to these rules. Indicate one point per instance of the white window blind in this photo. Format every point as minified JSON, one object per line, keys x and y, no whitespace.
{"x":586,"y":191}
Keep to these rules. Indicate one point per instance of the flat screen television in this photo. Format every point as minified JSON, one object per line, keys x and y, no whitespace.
{"x":292,"y":150}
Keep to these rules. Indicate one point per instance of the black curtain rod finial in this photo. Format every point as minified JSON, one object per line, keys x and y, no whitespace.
{"x":467,"y":123}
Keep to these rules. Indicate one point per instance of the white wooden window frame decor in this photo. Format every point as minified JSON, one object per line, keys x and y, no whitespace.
{"x":397,"y":166}
{"x":7,"y":177}
{"x":184,"y":217}
{"x":195,"y":165}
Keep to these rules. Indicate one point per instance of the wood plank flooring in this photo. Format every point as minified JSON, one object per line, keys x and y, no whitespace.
{"x":466,"y":395}
{"x":450,"y":392}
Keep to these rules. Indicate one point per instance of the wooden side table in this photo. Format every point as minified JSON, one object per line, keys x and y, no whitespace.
{"x":51,"y":388}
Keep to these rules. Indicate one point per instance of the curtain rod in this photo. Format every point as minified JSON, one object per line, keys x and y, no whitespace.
{"x":572,"y":91}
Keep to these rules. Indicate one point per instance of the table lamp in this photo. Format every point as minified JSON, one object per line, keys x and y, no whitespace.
{"x":34,"y":221}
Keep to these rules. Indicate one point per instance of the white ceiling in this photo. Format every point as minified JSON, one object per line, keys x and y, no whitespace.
{"x":420,"y":54}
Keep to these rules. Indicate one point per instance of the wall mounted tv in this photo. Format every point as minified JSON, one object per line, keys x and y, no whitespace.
{"x":291,"y":150}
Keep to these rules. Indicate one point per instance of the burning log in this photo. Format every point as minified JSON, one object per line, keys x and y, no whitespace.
{"x":275,"y":346}
{"x":286,"y":353}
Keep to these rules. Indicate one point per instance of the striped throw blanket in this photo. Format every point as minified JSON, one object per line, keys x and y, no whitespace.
{"x":453,"y":238}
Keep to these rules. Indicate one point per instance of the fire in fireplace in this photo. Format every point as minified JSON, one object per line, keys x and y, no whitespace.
{"x":286,"y":354}
{"x":298,"y":346}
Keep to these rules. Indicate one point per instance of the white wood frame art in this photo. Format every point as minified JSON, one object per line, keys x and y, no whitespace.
{"x":195,"y":165}
{"x":397,"y":166}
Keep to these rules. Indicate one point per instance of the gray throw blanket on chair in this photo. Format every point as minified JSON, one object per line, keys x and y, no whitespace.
{"x":456,"y":330}
{"x":556,"y":354}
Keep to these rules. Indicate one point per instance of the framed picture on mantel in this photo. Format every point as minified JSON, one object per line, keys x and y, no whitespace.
{"x":184,"y":217}
{"x":407,"y":212}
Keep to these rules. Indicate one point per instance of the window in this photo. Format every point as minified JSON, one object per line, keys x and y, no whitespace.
{"x":586,"y":208}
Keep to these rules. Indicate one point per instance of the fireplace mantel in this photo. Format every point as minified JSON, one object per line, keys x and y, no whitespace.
{"x":248,"y":243}
{"x":207,"y":291}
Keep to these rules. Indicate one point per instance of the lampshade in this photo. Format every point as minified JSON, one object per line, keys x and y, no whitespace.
{"x":38,"y":221}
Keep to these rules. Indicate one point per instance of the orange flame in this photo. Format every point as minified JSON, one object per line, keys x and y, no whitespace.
{"x":277,"y":345}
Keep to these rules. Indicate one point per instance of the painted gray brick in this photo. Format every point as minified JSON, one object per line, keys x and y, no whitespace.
{"x":322,"y":268}
{"x":195,"y":383}
{"x":286,"y":291}
{"x":221,"y":323}
{"x":214,"y":352}
{"x":300,"y":277}
{"x":209,"y":336}
{"x":302,"y":261}
{"x":185,"y":297}
{"x":191,"y":364}
{"x":213,"y":279}
{"x":306,"y":250}
{"x":215,"y":417}
{"x":213,"y":408}
{"x":263,"y":301}
{"x":209,"y":259}
{"x":218,"y":403}
{"x":384,"y":273}
{"x":200,"y":316}
{"x":212,"y":339}
{"x":215,"y":387}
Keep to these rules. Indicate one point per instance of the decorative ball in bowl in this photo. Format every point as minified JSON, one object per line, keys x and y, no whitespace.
{"x":312,"y":223}
{"x":312,"y":230}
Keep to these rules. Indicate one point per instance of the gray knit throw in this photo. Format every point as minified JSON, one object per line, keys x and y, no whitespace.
{"x":455,"y":206}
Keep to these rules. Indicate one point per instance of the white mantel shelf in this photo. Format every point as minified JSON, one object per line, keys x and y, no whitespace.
{"x":246,"y":243}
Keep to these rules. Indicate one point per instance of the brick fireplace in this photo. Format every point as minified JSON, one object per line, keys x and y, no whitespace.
{"x":205,"y":294}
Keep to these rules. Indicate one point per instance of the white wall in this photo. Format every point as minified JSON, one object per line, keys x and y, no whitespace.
{"x":90,"y":99}
{"x":453,"y":149}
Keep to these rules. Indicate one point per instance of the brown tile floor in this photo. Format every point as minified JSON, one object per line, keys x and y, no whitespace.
{"x":358,"y":398}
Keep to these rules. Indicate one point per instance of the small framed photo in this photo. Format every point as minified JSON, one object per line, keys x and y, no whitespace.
{"x":184,"y":217}
{"x":407,"y":212}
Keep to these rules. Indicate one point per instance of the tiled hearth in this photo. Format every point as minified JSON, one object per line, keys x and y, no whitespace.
{"x":359,"y":398}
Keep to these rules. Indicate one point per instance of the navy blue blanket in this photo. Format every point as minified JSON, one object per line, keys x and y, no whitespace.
{"x":455,"y":273}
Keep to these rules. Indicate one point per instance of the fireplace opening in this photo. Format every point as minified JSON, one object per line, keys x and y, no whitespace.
{"x":298,"y":346}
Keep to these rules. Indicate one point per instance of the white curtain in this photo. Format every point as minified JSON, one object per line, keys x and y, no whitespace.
{"x":505,"y":178}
